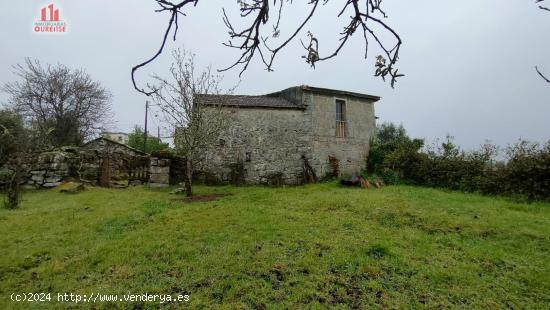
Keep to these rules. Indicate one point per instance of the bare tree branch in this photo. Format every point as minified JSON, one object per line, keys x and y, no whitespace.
{"x":542,"y":75}
{"x":536,"y":68}
{"x":251,"y":38}
{"x":254,"y":40}
{"x":196,"y":126}
{"x":542,"y":7}
{"x":174,"y":9}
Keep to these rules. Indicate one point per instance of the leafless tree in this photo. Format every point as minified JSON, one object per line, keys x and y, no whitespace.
{"x":255,"y":40}
{"x":541,"y":6}
{"x":537,"y":68}
{"x":64,"y":104}
{"x":196,"y":126}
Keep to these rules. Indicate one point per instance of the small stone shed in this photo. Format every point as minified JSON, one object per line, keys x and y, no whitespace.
{"x":105,"y":145}
{"x":100,"y":161}
{"x":286,"y":136}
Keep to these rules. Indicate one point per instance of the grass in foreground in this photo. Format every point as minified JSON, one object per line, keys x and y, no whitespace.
{"x":316,"y":246}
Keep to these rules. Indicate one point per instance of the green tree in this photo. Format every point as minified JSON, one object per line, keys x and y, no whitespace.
{"x":15,"y":147}
{"x":389,"y":139}
{"x":135,"y":140}
{"x":11,"y":127}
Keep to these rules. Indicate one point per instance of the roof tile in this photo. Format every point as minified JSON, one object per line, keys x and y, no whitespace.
{"x":248,"y":101}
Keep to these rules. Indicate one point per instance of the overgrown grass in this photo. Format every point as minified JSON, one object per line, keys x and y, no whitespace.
{"x":317,"y":246}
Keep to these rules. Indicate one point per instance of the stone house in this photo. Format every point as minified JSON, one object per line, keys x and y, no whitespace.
{"x":119,"y":163}
{"x":285,"y":136}
{"x":120,"y":137}
{"x":104,"y":144}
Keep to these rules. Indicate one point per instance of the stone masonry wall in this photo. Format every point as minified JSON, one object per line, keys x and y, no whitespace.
{"x":268,"y":144}
{"x":50,"y":169}
{"x":352,"y":150}
{"x":265,"y":144}
{"x":159,"y":172}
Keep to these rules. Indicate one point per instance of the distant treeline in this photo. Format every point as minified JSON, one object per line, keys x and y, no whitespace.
{"x":524,"y":174}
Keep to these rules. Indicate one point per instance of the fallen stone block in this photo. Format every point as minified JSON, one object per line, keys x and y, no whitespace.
{"x":51,"y":184}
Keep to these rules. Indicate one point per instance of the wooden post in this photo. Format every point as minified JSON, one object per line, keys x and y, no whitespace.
{"x":105,"y":177}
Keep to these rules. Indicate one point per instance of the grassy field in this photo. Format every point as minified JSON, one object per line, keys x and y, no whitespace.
{"x":317,"y":246}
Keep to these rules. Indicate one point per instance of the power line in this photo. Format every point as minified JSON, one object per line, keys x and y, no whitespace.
{"x":156,"y":121}
{"x":145,"y":131}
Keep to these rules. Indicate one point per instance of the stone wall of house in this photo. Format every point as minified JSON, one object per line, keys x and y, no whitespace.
{"x":261,"y":146}
{"x":350,"y":151}
{"x":266,"y":146}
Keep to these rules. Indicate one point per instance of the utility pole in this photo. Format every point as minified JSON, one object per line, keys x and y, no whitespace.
{"x":145,"y":131}
{"x":158,"y":133}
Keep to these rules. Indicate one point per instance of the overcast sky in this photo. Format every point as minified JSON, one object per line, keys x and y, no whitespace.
{"x":469,"y":64}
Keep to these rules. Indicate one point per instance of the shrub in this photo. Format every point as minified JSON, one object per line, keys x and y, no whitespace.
{"x":389,"y":176}
{"x":389,"y":139}
{"x":14,"y":150}
{"x":398,"y":158}
{"x":527,"y":171}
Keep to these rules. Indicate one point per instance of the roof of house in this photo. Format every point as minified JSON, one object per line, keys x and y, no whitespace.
{"x":339,"y":92}
{"x":114,"y":133}
{"x":284,"y":99}
{"x":249,"y":101}
{"x":115,"y":142}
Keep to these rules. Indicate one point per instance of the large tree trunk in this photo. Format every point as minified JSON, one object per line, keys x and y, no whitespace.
{"x":189,"y":178}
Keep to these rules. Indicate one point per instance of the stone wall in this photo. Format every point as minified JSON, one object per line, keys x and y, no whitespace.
{"x":126,"y":164}
{"x":352,"y":150}
{"x":51,"y":168}
{"x":266,"y":145}
{"x":106,"y":145}
{"x":159,"y":172}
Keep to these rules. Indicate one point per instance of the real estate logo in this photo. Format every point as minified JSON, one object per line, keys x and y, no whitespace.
{"x":50,"y":21}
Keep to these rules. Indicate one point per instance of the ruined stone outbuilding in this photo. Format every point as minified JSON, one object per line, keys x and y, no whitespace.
{"x":100,"y":160}
{"x":293,"y":135}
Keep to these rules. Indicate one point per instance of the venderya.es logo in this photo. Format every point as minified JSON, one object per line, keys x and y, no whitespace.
{"x":50,"y":21}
